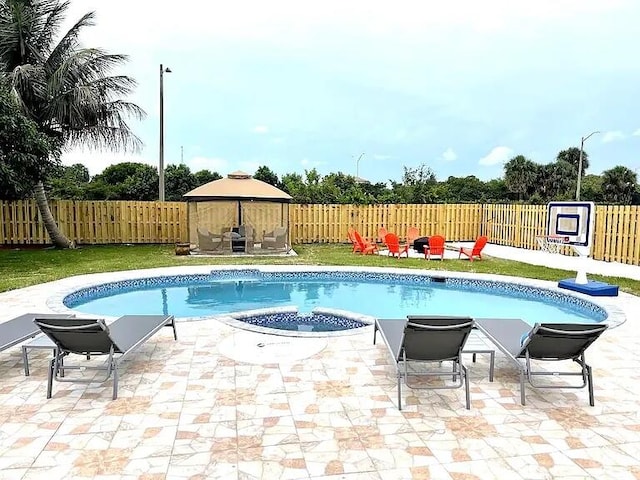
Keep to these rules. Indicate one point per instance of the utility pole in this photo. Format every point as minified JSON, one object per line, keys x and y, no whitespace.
{"x":181,"y":155}
{"x":161,"y":150}
{"x":582,"y":140}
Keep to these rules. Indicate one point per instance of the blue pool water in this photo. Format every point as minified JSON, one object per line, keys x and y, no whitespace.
{"x":380,"y":296}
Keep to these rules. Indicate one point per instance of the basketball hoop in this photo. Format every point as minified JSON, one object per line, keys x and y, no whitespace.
{"x":551,"y":243}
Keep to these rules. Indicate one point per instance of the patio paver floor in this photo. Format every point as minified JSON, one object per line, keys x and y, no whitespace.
{"x":188,"y":411}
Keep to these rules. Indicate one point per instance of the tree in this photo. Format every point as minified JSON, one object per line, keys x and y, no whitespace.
{"x":205,"y":176}
{"x":465,"y":189}
{"x":266,"y":175}
{"x":417,"y":185}
{"x":126,"y":181}
{"x":25,"y":153}
{"x":520,"y":175}
{"x":178,"y":181}
{"x":619,"y":185}
{"x":71,"y":183}
{"x":591,"y":188}
{"x":556,"y":181}
{"x":497,"y":191}
{"x":294,"y":185}
{"x":572,"y":156}
{"x":65,"y":89}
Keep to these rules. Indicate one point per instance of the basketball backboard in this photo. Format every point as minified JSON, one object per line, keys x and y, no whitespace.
{"x":575,"y":221}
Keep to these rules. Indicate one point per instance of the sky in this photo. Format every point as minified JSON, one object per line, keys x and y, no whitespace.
{"x":459,"y":86}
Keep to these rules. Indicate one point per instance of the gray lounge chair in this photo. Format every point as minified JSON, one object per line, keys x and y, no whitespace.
{"x":19,"y":329}
{"x":427,"y":339}
{"x":93,"y":337}
{"x":546,"y":341}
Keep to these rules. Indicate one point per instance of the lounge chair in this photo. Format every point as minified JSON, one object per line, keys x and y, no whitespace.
{"x":19,"y":329}
{"x":93,"y":337}
{"x":394,"y":248}
{"x":427,"y":339}
{"x":434,"y":247}
{"x":412,"y":234}
{"x":352,"y":239}
{"x":364,"y":247}
{"x":546,"y":341}
{"x":382,"y":232}
{"x":476,"y":251}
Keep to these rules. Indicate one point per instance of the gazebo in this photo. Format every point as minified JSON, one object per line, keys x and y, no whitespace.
{"x":238,"y":214}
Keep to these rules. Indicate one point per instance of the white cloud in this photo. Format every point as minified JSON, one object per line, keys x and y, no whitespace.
{"x":636,"y":133}
{"x":449,"y":155}
{"x":497,"y":156}
{"x":96,"y":162}
{"x":612,"y":136}
{"x":282,"y":18}
{"x":260,"y":129}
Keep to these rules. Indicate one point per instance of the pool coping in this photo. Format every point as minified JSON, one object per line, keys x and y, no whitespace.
{"x":59,"y":289}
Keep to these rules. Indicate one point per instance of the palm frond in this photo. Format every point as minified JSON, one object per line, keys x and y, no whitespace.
{"x":69,"y":42}
{"x":69,"y":91}
{"x":52,"y":18}
{"x":27,"y":29}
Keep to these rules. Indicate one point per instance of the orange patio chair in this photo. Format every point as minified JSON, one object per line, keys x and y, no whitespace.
{"x":393,"y":245}
{"x":352,"y":239}
{"x":412,"y":234}
{"x":476,"y":251}
{"x":365,"y":247}
{"x":382,"y":232}
{"x":435,"y":247}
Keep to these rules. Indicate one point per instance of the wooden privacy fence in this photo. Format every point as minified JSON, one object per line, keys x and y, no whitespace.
{"x":329,"y":223}
{"x":99,"y":222}
{"x":616,"y":238}
{"x":616,"y":233}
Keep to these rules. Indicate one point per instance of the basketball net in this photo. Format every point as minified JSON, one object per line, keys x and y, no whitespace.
{"x":554,"y":243}
{"x":550,"y":243}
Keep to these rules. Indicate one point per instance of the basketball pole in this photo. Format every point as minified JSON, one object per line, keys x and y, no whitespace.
{"x":583,"y":256}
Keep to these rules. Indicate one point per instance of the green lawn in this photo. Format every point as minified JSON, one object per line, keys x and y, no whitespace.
{"x":21,"y":268}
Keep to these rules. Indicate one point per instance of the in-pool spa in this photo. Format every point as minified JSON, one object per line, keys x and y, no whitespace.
{"x":382,"y":295}
{"x":316,"y":322}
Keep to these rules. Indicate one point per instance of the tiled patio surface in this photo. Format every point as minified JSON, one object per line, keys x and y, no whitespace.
{"x":197,"y":408}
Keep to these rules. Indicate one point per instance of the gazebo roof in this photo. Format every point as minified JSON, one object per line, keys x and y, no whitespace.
{"x":238,"y":185}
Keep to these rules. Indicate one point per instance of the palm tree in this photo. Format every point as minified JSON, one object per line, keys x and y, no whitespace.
{"x":520,"y":175}
{"x":572,"y":155}
{"x":65,"y":89}
{"x":619,"y":185}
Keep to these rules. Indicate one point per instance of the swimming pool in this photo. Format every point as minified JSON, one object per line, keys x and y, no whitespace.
{"x":389,"y":295}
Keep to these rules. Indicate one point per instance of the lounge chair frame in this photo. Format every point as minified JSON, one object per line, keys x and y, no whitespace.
{"x":21,"y":328}
{"x":538,"y":346}
{"x":397,"y":332}
{"x":118,"y":349}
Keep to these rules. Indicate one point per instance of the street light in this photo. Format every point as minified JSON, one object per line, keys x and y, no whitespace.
{"x":584,"y":139}
{"x":358,"y":165}
{"x":161,"y":152}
